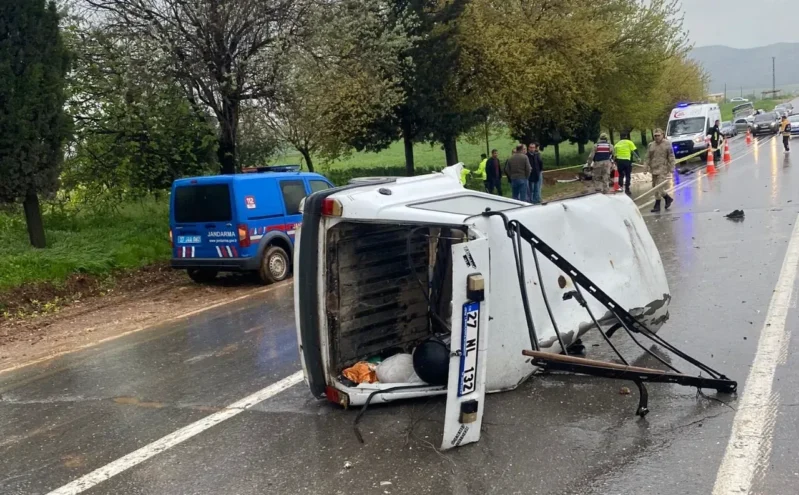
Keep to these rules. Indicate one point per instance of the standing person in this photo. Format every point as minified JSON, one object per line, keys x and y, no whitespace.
{"x":481,"y":169}
{"x":518,"y":171}
{"x":785,"y":130}
{"x":660,"y":161}
{"x":599,"y":160}
{"x":625,"y":151}
{"x":715,"y":141}
{"x":493,"y":174}
{"x":536,"y":179}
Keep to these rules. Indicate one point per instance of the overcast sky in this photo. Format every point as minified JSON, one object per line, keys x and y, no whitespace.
{"x":741,"y":23}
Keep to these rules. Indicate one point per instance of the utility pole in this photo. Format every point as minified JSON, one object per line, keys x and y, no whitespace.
{"x":773,"y":76}
{"x":725,"y":91}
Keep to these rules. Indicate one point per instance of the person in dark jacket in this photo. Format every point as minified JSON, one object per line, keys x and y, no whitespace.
{"x":493,"y":173}
{"x":518,"y":170}
{"x":537,"y":175}
{"x":715,"y":141}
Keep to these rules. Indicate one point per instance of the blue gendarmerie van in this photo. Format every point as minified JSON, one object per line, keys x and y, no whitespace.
{"x":239,"y":223}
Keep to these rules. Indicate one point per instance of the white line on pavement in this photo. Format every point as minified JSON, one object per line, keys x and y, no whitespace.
{"x":137,"y":457}
{"x":752,"y":429}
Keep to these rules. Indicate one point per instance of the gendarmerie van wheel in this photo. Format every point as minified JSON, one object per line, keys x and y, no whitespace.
{"x":275,"y":265}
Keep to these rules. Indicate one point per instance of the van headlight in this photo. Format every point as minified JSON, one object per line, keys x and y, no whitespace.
{"x":699,"y":139}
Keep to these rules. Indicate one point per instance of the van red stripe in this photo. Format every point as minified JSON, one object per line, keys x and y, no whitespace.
{"x":235,"y":253}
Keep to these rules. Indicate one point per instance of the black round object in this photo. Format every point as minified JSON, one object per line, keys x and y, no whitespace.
{"x":431,"y":361}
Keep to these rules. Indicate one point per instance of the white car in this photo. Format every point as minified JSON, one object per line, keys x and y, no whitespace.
{"x":738,"y":99}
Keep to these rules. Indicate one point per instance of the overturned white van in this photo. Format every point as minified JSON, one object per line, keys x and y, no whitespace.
{"x":470,"y":280}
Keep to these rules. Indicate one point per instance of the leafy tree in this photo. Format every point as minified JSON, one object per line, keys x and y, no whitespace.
{"x":33,"y":123}
{"x":225,"y":52}
{"x":535,"y":72}
{"x":136,"y":132}
{"x":585,"y":126}
{"x":341,"y":79}
{"x":433,"y":82}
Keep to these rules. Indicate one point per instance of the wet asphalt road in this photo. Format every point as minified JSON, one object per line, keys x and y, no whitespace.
{"x":554,"y":435}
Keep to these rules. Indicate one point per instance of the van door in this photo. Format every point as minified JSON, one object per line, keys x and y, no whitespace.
{"x":292,"y":191}
{"x":204,"y":226}
{"x":469,"y":346}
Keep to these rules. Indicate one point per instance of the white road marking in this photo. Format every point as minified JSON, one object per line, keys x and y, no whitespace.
{"x":148,"y":451}
{"x":752,"y":429}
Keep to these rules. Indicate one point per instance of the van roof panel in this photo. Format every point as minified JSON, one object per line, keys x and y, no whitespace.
{"x":228,"y":179}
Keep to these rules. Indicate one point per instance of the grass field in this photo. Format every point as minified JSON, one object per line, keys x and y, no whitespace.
{"x":427,"y":156}
{"x":135,"y":236}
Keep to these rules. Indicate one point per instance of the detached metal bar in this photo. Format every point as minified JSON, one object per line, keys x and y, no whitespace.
{"x":619,"y":371}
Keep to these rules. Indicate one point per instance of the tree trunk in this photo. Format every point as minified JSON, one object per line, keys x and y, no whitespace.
{"x":580,"y":147}
{"x":643,"y":138}
{"x":33,"y":217}
{"x":557,"y":154}
{"x":228,"y":129}
{"x":612,"y":138}
{"x":488,"y":152}
{"x":408,"y":141}
{"x":307,"y":155}
{"x":451,"y":151}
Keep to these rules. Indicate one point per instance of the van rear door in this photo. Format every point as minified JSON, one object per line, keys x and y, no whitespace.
{"x":469,"y":346}
{"x":204,"y":226}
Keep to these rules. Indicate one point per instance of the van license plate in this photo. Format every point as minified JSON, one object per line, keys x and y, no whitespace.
{"x":189,"y":239}
{"x":469,"y":335}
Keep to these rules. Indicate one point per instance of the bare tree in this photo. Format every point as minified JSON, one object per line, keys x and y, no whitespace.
{"x":224,"y":52}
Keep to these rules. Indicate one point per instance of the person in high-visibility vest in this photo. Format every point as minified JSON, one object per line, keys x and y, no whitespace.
{"x":481,"y":170}
{"x":625,"y":150}
{"x":785,"y":131}
{"x":465,"y":175}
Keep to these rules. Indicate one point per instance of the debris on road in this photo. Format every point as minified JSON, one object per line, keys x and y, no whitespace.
{"x":347,"y":465}
{"x":624,"y":391}
{"x":735,"y":215}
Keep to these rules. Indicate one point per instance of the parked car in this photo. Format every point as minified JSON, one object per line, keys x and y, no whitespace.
{"x":239,"y":223}
{"x":738,"y":99}
{"x":794,"y":119}
{"x":741,"y":125}
{"x":765,"y":123}
{"x":784,"y":108}
{"x":728,"y":129}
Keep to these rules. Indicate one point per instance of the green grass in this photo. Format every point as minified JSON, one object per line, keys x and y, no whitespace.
{"x":427,"y":156}
{"x":767,"y":105}
{"x":134,"y":236}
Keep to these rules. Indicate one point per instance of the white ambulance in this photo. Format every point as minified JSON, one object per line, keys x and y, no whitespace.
{"x":688,"y":127}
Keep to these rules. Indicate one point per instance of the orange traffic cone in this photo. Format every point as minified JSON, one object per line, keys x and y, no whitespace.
{"x":616,"y":187}
{"x":727,"y":157}
{"x":748,"y":137}
{"x":711,"y":164}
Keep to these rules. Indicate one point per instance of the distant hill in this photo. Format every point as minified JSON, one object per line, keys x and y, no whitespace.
{"x":749,"y":68}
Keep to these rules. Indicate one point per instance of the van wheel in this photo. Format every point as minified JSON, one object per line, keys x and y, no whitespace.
{"x":275,"y":265}
{"x":202,"y":276}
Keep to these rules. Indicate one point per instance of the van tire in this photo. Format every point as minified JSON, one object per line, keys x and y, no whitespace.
{"x":202,"y":275}
{"x":275,"y":265}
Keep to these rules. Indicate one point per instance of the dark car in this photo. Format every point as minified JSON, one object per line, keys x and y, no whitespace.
{"x":765,"y":123}
{"x":728,"y":129}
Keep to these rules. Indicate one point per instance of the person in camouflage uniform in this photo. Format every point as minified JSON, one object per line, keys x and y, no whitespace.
{"x":660,"y":162}
{"x":600,"y":157}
